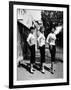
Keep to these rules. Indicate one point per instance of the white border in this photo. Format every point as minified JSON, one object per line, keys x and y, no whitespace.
{"x":15,"y":46}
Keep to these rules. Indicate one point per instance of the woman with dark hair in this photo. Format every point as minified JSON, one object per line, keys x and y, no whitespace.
{"x":41,"y":44}
{"x":31,"y":41}
{"x":51,"y":39}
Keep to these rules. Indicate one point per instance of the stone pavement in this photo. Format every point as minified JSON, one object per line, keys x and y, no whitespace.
{"x":23,"y":72}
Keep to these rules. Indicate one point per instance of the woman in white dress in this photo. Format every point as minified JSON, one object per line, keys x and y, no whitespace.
{"x":51,"y":40}
{"x":31,"y":41}
{"x":41,"y":44}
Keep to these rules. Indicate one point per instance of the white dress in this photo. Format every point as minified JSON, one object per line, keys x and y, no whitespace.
{"x":31,"y":39}
{"x":51,"y":39}
{"x":41,"y":40}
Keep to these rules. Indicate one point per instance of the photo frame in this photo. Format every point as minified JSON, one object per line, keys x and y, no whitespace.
{"x":17,"y":74}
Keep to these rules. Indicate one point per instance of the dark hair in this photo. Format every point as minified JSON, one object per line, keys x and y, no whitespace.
{"x":32,"y":28}
{"x":54,"y":27}
{"x":37,"y":22}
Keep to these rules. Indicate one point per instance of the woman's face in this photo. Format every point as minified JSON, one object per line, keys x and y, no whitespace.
{"x":53,"y":30}
{"x":32,"y":30}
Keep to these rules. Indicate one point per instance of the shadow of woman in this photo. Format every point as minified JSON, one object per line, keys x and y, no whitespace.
{"x":25,"y":66}
{"x":37,"y":66}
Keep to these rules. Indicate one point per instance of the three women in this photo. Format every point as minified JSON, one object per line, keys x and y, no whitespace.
{"x":51,"y":38}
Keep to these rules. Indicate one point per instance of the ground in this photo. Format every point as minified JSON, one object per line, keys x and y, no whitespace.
{"x":23,"y":72}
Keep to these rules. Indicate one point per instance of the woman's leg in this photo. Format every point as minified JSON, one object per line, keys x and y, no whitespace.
{"x":53,"y":51}
{"x":42,"y":58}
{"x":32,"y":61}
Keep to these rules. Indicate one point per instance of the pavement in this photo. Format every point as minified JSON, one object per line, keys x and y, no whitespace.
{"x":23,"y":71}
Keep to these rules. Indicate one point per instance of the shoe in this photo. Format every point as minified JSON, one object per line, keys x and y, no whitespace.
{"x":43,"y":71}
{"x":31,"y":71}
